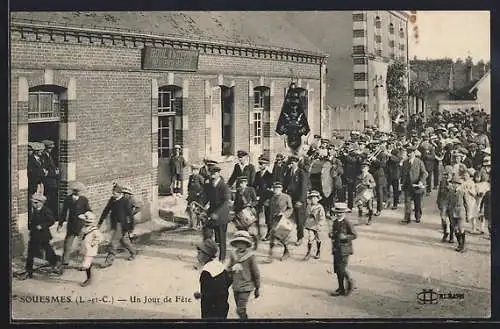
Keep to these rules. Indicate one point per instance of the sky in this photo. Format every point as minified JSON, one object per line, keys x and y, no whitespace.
{"x":453,"y":34}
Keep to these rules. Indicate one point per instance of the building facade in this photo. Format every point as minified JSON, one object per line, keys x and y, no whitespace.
{"x":379,"y":39}
{"x":116,"y":102}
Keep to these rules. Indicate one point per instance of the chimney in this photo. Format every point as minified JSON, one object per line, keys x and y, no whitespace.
{"x":469,"y":73}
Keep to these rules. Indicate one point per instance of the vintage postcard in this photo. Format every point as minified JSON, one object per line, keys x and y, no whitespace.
{"x":250,"y":165}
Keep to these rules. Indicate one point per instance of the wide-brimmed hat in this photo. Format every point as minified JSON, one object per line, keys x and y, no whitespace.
{"x":293,"y":158}
{"x":38,"y":197}
{"x":89,"y":217}
{"x":277,"y":185}
{"x":487,"y":161}
{"x":263,"y":160}
{"x":243,"y":179}
{"x":340,"y":207}
{"x":177,"y":146}
{"x":126,"y":190}
{"x":209,"y":247}
{"x":48,"y":143}
{"x":242,"y":236}
{"x":313,"y":194}
{"x":77,"y":186}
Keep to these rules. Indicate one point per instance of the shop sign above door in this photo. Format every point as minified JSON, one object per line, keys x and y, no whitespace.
{"x":170,"y":59}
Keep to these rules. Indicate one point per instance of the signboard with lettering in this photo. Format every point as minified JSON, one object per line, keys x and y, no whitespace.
{"x":170,"y":59}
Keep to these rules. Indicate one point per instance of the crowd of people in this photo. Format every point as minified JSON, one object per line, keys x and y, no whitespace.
{"x":369,"y":170}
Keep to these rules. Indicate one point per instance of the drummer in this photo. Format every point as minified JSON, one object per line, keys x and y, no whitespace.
{"x":246,"y":198}
{"x":364,"y":189}
{"x":280,"y":206}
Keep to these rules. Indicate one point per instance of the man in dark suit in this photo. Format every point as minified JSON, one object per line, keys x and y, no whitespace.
{"x":428,"y":156}
{"x":50,"y":181}
{"x":297,"y":185}
{"x":279,"y":169}
{"x":475,"y":156}
{"x":394,"y":175}
{"x":413,"y":177}
{"x":36,"y":170}
{"x":73,"y":206}
{"x":242,"y":168}
{"x":218,"y":196}
{"x":205,"y":169}
{"x":263,"y":188}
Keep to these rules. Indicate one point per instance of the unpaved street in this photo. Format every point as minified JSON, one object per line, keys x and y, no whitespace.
{"x":391,"y":265}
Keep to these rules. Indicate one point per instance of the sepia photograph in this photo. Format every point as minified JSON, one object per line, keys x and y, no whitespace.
{"x":250,"y":165}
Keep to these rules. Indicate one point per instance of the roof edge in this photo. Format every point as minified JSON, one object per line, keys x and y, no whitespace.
{"x":134,"y":33}
{"x":479,"y":81}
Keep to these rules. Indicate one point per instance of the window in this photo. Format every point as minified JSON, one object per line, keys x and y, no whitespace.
{"x":165,"y":135}
{"x":391,"y":43}
{"x":401,"y":33}
{"x":392,"y":55}
{"x":402,"y":47}
{"x":43,"y":106}
{"x":358,"y":33}
{"x":391,"y":28}
{"x":358,"y":49}
{"x":169,"y":106}
{"x":257,"y":127}
{"x":361,"y":76}
{"x":166,"y":102}
{"x":378,"y":22}
{"x":379,"y":52}
{"x":358,"y":17}
{"x":378,"y":38}
{"x":258,"y":99}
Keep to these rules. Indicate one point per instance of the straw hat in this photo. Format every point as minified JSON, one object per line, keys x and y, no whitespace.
{"x":242,"y":236}
{"x":77,"y":186}
{"x":340,"y":207}
{"x":313,"y":194}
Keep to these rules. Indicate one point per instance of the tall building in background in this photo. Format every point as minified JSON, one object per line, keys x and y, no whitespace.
{"x":360,"y":46}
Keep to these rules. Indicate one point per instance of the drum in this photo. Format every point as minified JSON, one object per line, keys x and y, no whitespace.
{"x":199,"y":212}
{"x":364,"y":196}
{"x":245,"y":218}
{"x":283,"y":228}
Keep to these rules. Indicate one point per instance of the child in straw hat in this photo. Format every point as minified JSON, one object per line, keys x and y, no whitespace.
{"x":91,"y":237}
{"x":246,"y":275}
{"x":315,"y":214}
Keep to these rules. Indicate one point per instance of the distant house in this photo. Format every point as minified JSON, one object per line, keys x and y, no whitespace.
{"x":449,"y":81}
{"x":475,"y":95}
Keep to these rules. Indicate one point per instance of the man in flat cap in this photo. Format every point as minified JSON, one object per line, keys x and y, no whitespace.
{"x":280,"y":168}
{"x":413,"y":177}
{"x":51,"y":180}
{"x":218,"y":196}
{"x":204,"y":170}
{"x":36,"y":170}
{"x":74,"y":205}
{"x":242,"y":168}
{"x":40,"y":219}
{"x":263,"y":188}
{"x":177,"y":165}
{"x":120,"y":211}
{"x":297,"y":185}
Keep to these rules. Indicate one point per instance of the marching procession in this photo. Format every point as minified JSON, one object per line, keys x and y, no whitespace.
{"x":315,"y":184}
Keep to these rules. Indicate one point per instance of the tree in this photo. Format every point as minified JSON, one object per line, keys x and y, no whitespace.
{"x":396,"y":88}
{"x":419,"y":88}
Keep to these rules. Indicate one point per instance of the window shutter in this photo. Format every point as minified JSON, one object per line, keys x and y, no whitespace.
{"x":177,"y":107}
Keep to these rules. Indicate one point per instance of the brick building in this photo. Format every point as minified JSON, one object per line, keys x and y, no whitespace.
{"x":116,"y":101}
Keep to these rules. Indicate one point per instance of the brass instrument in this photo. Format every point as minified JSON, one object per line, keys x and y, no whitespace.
{"x":374,"y":154}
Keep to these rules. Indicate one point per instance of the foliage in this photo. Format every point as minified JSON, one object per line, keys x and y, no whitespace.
{"x":396,"y":88}
{"x":419,"y":88}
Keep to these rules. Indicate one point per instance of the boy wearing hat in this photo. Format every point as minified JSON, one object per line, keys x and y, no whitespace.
{"x":364,"y":187}
{"x":458,"y":210}
{"x":218,"y":196}
{"x":242,"y":168}
{"x":51,"y":178}
{"x":120,"y":212}
{"x":39,"y":222}
{"x":280,"y":205}
{"x":315,"y":214}
{"x":342,"y":234}
{"x":246,"y":198}
{"x":263,"y":188}
{"x":246,"y":275}
{"x":74,"y":205}
{"x":177,"y":165}
{"x":205,"y":169}
{"x":442,"y":204}
{"x":214,"y":282}
{"x":91,"y":237}
{"x":195,"y":194}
